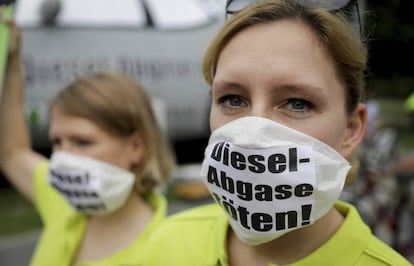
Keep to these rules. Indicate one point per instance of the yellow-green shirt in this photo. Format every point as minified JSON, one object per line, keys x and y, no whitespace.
{"x":197,"y":237}
{"x":64,"y":228}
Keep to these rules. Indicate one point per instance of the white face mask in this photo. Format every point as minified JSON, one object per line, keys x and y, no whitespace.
{"x":271,"y":179}
{"x":89,"y":186}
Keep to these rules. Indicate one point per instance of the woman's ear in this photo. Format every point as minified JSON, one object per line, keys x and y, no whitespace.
{"x":355,"y":131}
{"x":138,"y":148}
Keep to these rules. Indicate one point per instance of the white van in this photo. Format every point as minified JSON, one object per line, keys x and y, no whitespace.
{"x":159,"y":42}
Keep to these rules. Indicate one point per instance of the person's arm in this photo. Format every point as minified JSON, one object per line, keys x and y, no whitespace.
{"x":17,"y":159}
{"x":404,"y":165}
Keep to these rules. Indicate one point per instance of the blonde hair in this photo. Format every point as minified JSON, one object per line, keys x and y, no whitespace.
{"x":121,"y":106}
{"x":334,"y":32}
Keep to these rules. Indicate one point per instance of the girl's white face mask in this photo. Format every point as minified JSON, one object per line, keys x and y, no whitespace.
{"x":271,"y":179}
{"x":90,"y":186}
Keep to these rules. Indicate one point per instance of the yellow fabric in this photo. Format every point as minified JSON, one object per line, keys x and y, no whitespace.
{"x":64,"y":228}
{"x":4,"y":44}
{"x":409,"y":103}
{"x":197,"y":237}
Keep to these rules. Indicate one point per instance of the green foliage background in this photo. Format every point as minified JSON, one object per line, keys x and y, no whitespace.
{"x":389,"y":27}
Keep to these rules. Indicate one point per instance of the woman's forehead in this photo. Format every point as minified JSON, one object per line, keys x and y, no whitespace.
{"x":283,"y":54}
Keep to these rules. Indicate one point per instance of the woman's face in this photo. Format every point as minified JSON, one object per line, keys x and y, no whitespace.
{"x":83,"y":137}
{"x":281,"y":72}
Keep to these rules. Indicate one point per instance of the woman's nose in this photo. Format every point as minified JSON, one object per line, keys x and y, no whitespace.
{"x":261,"y":110}
{"x":65,"y":145}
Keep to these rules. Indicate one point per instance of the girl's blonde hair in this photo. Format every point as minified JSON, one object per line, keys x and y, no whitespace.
{"x":121,"y":106}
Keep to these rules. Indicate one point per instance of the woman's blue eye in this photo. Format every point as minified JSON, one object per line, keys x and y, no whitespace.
{"x":299,"y":104}
{"x":82,"y":142}
{"x":55,"y":142}
{"x":231,"y":100}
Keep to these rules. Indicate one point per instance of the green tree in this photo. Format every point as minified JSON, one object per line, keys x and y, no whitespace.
{"x":389,"y":27}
